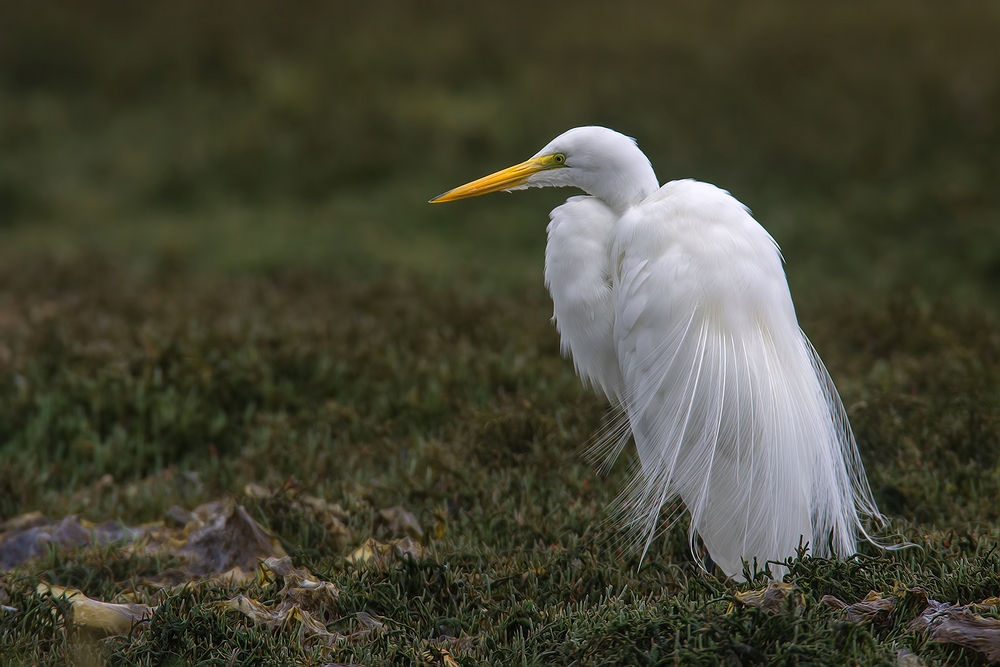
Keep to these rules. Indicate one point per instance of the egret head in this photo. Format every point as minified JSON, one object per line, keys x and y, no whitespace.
{"x":599,"y":161}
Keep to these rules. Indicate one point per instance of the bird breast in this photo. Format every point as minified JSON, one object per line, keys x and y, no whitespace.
{"x":578,"y":275}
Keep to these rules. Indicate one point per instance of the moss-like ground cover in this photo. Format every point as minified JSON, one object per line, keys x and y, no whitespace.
{"x":460,"y":409}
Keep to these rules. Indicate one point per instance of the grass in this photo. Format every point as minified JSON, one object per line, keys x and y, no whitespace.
{"x":216,"y":267}
{"x":458,"y":408}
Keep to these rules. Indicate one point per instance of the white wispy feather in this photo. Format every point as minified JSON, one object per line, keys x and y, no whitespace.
{"x":729,"y":406}
{"x":673,"y":303}
{"x":683,"y":315}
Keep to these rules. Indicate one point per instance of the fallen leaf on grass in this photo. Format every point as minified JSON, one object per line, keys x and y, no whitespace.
{"x":281,"y":617}
{"x":107,"y":616}
{"x":178,"y":517}
{"x":221,"y":543}
{"x":301,"y":588}
{"x":29,"y":536}
{"x":304,"y":600}
{"x":219,"y":540}
{"x":401,"y":522}
{"x":960,"y":625}
{"x":372,"y":549}
{"x":467,"y":645}
{"x":227,"y":538}
{"x":23,"y":522}
{"x":906,"y":658}
{"x":446,"y":658}
{"x":943,"y":622}
{"x":873,"y":608}
{"x":986,"y":605}
{"x":770,"y":598}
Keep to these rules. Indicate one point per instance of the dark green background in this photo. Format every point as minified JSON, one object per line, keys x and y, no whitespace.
{"x":249,"y":135}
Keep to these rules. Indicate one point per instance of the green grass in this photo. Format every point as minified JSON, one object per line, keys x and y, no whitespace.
{"x":217,"y":267}
{"x":458,"y":408}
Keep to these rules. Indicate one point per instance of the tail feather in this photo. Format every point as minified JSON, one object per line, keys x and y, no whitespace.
{"x":752,"y":436}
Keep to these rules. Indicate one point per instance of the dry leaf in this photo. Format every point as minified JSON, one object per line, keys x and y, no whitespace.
{"x":400,"y":522}
{"x":256,"y":491}
{"x":440,"y":522}
{"x":407,"y":548}
{"x":280,"y":617}
{"x":227,"y":538}
{"x":959,"y":625}
{"x":301,"y":587}
{"x":446,"y":658}
{"x":107,"y":616}
{"x":906,"y":658}
{"x":372,"y":549}
{"x":988,"y":604}
{"x":23,"y":522}
{"x":29,"y":535}
{"x":872,"y":608}
{"x":320,"y":506}
{"x":304,"y":599}
{"x":770,"y":598}
{"x":944,"y":622}
{"x":367,"y":551}
{"x":179,"y":517}
{"x":218,"y":540}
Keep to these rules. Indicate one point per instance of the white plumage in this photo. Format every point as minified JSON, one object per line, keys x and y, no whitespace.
{"x":673,"y":303}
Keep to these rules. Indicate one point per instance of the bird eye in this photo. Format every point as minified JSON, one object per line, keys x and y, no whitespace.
{"x":559,"y":158}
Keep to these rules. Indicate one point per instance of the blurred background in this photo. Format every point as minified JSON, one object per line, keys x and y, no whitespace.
{"x":235,"y":137}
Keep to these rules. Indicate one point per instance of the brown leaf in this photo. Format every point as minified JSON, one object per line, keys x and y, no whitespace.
{"x":906,"y":658}
{"x":873,"y":608}
{"x":400,"y":522}
{"x":770,"y":598}
{"x":257,"y":491}
{"x":988,"y":604}
{"x":372,"y":549}
{"x":321,"y":506}
{"x":302,"y":588}
{"x":305,"y":601}
{"x":948,"y":623}
{"x":227,"y":538}
{"x":407,"y":548}
{"x":217,"y":539}
{"x":29,"y":535}
{"x":178,"y":517}
{"x":446,"y":658}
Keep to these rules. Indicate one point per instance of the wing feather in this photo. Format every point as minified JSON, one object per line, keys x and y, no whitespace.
{"x":730,"y":408}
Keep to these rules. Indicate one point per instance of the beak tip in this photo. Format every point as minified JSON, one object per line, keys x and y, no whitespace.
{"x":511,"y":178}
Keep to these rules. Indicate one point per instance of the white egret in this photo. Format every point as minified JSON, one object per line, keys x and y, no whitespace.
{"x":673,"y":303}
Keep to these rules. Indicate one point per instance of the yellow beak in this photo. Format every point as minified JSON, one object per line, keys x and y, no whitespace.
{"x":506,"y":179}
